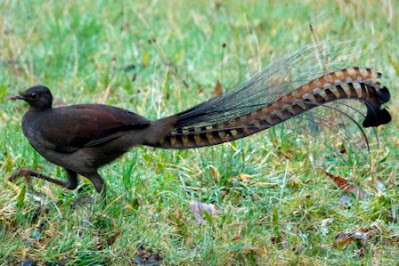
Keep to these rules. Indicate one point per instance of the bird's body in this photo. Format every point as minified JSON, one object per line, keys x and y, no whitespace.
{"x":82,"y":138}
{"x":78,"y":128}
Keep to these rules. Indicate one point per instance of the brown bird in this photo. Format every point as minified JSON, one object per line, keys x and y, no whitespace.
{"x":82,"y":138}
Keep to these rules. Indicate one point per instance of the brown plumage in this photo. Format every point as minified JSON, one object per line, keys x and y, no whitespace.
{"x":82,"y":138}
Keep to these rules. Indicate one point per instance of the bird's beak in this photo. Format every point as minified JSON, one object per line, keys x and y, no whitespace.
{"x":17,"y":97}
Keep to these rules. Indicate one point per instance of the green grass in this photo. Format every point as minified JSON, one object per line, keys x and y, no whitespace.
{"x":285,"y":212}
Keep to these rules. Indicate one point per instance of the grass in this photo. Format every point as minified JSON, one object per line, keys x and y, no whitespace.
{"x":157,"y":58}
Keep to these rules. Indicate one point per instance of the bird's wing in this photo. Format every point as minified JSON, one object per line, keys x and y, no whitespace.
{"x":86,"y":125}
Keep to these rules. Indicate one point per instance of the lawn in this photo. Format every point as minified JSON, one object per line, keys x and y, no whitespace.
{"x":274,"y":202}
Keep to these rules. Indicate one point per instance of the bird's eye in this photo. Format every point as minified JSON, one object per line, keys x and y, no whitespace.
{"x":33,"y":95}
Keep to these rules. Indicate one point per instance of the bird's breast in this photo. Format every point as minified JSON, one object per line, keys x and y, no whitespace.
{"x":35,"y":138}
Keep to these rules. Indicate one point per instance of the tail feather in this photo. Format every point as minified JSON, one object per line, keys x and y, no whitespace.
{"x":207,"y":124}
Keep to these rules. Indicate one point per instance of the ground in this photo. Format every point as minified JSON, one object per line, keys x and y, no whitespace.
{"x":274,"y":202}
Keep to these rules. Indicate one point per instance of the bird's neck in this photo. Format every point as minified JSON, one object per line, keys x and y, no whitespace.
{"x":39,"y":108}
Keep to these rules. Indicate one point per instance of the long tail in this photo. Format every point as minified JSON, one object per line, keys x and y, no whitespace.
{"x":207,"y":124}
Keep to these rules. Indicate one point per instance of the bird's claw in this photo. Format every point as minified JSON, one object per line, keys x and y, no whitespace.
{"x":20,"y":172}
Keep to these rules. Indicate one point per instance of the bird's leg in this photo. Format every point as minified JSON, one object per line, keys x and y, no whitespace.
{"x":72,"y":182}
{"x":97,"y":181}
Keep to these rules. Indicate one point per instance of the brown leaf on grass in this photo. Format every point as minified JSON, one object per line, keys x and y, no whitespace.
{"x":361,"y":236}
{"x":201,"y":209}
{"x":344,"y":185}
{"x":110,"y":240}
{"x":343,"y":150}
{"x":237,"y":237}
{"x":342,"y":240}
{"x":280,"y":241}
{"x":217,"y":90}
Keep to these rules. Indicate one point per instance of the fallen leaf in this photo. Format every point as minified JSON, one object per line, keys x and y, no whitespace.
{"x":110,"y":240}
{"x":344,"y":185}
{"x":202,"y":210}
{"x":343,"y":150}
{"x":342,"y":239}
{"x":363,"y":236}
{"x":237,"y":237}
{"x":218,"y":89}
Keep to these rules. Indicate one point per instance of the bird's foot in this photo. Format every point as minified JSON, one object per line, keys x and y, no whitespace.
{"x":21,"y":172}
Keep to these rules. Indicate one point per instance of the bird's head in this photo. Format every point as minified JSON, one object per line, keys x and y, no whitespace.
{"x":39,"y":97}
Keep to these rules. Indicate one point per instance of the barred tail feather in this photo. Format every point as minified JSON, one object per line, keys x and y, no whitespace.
{"x":206,"y":124}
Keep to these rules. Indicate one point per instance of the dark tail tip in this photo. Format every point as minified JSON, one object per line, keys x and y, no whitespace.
{"x":384,"y":95}
{"x":376,"y":116}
